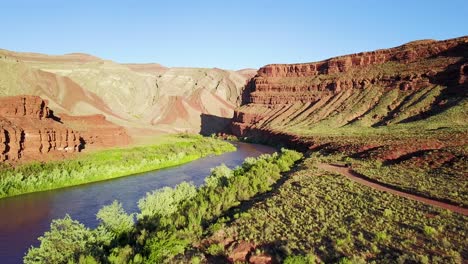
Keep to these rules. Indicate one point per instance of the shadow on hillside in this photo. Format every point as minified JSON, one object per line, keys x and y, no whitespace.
{"x":211,"y":124}
{"x":82,"y":144}
{"x":450,"y":77}
{"x":246,"y":205}
{"x":245,"y":94}
{"x":52,"y":116}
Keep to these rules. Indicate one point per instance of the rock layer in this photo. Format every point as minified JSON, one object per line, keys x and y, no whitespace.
{"x":29,"y":130}
{"x":409,"y":52}
{"x":375,"y":88}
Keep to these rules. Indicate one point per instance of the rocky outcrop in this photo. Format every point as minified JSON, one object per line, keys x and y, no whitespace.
{"x":398,"y":67}
{"x":29,"y":130}
{"x":96,"y":131}
{"x":261,"y":259}
{"x":240,"y":252}
{"x":407,"y":53}
{"x":25,"y":106}
{"x":371,"y":88}
{"x":463,"y":80}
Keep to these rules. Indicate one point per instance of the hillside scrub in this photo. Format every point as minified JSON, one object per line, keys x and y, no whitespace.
{"x":170,"y":222}
{"x":107,"y":164}
{"x":438,"y":174}
{"x":322,"y":214}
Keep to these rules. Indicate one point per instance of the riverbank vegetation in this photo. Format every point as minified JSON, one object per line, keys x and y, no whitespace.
{"x":171,"y":221}
{"x":107,"y":164}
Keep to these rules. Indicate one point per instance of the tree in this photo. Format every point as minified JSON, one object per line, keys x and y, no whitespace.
{"x":218,"y":176}
{"x":66,"y":240}
{"x":165,"y":201}
{"x":165,"y":245}
{"x":114,"y":218}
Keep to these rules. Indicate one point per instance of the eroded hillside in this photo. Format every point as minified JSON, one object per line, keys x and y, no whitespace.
{"x":400,"y":85}
{"x":145,"y":98}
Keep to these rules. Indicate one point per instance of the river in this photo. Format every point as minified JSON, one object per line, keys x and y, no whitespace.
{"x":26,"y":217}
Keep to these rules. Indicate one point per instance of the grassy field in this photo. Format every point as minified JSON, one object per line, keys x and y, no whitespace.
{"x":439,"y":174}
{"x":323,"y":216}
{"x":107,"y":164}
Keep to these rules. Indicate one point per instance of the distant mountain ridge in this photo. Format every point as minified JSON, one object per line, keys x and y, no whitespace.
{"x":145,"y":98}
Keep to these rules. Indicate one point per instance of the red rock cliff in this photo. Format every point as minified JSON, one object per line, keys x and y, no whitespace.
{"x":29,"y":129}
{"x":350,"y":88}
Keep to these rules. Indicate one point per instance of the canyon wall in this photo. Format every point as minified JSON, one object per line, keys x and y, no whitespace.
{"x":369,"y":89}
{"x":29,"y":130}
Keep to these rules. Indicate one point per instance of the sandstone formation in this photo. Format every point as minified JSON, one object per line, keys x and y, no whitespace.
{"x":376,"y":88}
{"x":29,"y":129}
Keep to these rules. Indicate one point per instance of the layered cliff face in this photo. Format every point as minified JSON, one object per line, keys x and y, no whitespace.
{"x":29,"y":129}
{"x":418,"y":80}
{"x":141,"y":97}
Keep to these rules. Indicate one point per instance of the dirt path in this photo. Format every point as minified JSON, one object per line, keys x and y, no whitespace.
{"x":359,"y":179}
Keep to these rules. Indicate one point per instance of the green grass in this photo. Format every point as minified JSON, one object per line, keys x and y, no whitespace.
{"x":439,"y":174}
{"x":452,"y":119}
{"x":107,"y":164}
{"x":326,"y":215}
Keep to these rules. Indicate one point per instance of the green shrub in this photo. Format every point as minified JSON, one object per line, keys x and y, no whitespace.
{"x":218,"y":176}
{"x":195,"y":260}
{"x":114,"y":218}
{"x":382,"y":236}
{"x":300,"y":259}
{"x":164,"y":245}
{"x":121,"y":255}
{"x":215,"y":250}
{"x":165,"y":201}
{"x":429,"y":230}
{"x":67,"y":240}
{"x":353,"y":260}
{"x":170,"y":219}
{"x":87,"y":260}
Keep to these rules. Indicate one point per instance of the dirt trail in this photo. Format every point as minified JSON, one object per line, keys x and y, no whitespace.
{"x":359,"y":179}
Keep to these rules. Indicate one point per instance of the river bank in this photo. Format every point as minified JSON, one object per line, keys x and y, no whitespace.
{"x":107,"y":164}
{"x":28,"y":216}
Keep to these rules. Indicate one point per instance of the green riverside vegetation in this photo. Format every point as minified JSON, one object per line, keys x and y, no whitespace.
{"x":170,"y":221}
{"x":107,"y":164}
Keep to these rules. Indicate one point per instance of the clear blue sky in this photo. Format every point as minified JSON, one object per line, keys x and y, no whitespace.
{"x":225,"y":34}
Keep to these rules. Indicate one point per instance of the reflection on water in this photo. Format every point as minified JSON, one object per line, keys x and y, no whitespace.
{"x":26,"y":217}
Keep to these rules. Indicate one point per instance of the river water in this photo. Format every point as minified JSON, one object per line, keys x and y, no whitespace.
{"x":26,"y":217}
